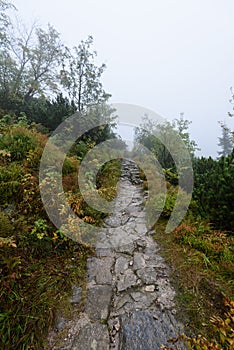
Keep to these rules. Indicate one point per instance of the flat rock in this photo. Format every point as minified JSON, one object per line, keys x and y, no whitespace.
{"x":148,"y":275}
{"x":129,"y":279}
{"x":98,"y":301}
{"x":142,"y":300}
{"x":121,"y":265}
{"x":93,"y":336}
{"x":104,"y":252}
{"x":120,"y":302}
{"x":139,"y":261}
{"x":100,"y":270}
{"x":142,"y":331}
{"x":76,"y":296}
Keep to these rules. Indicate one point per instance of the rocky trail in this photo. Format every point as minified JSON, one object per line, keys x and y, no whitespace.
{"x":129,"y":301}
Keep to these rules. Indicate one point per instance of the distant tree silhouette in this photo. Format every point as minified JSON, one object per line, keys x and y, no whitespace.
{"x":225,"y":141}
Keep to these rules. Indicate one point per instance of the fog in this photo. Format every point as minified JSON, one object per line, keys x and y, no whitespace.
{"x":169,"y":56}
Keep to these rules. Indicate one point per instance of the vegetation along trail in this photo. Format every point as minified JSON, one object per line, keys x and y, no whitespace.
{"x":129,"y":301}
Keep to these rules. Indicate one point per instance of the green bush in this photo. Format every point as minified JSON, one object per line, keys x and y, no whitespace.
{"x":6,"y":227}
{"x":224,"y":334}
{"x":70,"y":166}
{"x":10,"y":181}
{"x":167,"y":201}
{"x":38,"y":263}
{"x":214,"y":244}
{"x":18,"y":141}
{"x":214,"y":190}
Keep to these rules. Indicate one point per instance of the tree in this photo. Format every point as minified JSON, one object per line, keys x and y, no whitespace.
{"x":182,"y":126}
{"x":226,"y":141}
{"x":231,"y":114}
{"x":161,"y":139}
{"x":29,"y":66}
{"x":4,"y":20}
{"x":214,"y":190}
{"x":34,"y":65}
{"x":81,"y":77}
{"x":48,"y":112}
{"x":44,"y":59}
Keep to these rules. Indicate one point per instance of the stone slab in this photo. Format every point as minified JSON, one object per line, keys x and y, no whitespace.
{"x":93,"y":336}
{"x":98,"y":302}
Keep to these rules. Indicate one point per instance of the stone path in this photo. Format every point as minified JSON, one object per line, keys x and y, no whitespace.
{"x":129,"y":302}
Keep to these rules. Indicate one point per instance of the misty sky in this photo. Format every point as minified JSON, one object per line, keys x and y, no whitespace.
{"x":170,"y":56}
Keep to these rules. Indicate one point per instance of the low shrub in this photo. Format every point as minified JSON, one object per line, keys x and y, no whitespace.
{"x":214,"y":244}
{"x":18,"y":141}
{"x":223,"y":329}
{"x":165,"y":203}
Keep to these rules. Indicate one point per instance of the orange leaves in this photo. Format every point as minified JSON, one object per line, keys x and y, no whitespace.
{"x":7,"y":242}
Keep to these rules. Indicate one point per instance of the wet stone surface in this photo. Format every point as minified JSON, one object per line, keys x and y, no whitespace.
{"x":129,"y":302}
{"x":144,"y":330}
{"x":93,"y":336}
